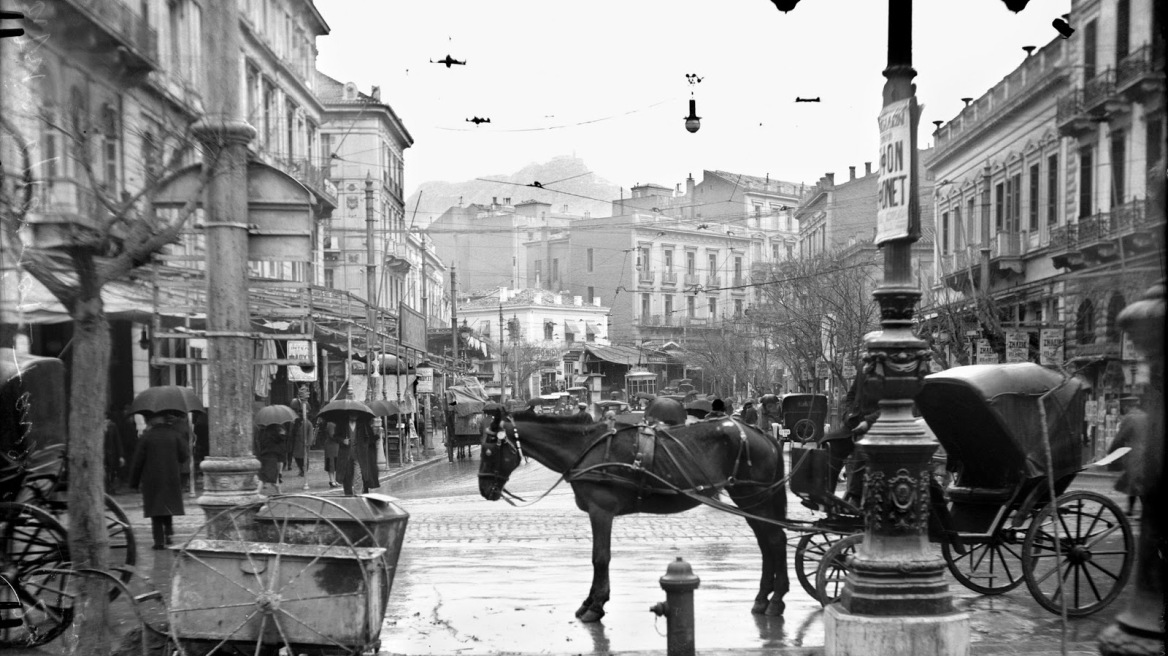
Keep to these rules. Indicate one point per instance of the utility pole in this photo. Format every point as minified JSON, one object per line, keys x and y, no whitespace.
{"x":370,"y":286}
{"x":502,"y":378}
{"x":454,"y":317}
{"x":896,"y":599}
{"x":231,"y":468}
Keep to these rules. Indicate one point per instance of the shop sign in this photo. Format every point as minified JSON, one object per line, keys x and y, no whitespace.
{"x":822,"y":370}
{"x":895,"y":182}
{"x":425,"y":377}
{"x":303,"y":350}
{"x":1017,"y":347}
{"x":1050,"y":343}
{"x":849,"y":370}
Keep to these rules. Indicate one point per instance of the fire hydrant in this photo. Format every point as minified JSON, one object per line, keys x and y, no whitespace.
{"x":679,"y":583}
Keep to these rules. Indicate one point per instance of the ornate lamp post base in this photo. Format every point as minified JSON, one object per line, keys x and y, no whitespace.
{"x":229,"y":482}
{"x":845,"y":633}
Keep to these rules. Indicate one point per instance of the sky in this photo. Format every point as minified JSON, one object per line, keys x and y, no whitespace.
{"x":606,"y":80}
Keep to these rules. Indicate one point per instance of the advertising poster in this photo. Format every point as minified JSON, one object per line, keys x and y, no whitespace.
{"x":985,"y":352}
{"x":895,"y":183}
{"x":1017,"y":347}
{"x":1050,"y":346}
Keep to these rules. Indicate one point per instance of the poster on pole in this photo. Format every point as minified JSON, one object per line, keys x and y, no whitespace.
{"x":305,"y":351}
{"x":1017,"y":346}
{"x":411,"y":328}
{"x":895,"y":183}
{"x":1051,"y":346}
{"x":425,"y":380}
{"x":985,"y":352}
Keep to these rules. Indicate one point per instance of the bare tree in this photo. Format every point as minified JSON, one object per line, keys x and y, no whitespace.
{"x":119,"y":235}
{"x":526,"y":359}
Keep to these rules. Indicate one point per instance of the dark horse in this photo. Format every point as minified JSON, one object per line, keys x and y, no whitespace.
{"x":631,"y":469}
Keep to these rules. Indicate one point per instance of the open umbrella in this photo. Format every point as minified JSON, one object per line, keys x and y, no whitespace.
{"x":345,"y":405}
{"x":274,"y":414}
{"x":166,"y":398}
{"x":384,"y":408}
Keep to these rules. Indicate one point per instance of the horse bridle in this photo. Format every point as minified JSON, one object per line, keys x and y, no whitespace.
{"x":508,"y":434}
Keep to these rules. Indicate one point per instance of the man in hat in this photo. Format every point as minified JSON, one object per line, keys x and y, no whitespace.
{"x":1132,"y":433}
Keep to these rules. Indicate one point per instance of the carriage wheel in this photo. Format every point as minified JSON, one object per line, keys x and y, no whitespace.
{"x":270,"y":601}
{"x":809,"y":552}
{"x":804,"y":430}
{"x":1094,"y":560}
{"x":36,"y":602}
{"x":833,"y":569}
{"x":990,"y":567}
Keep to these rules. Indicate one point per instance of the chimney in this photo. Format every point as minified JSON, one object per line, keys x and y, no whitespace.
{"x":578,"y":300}
{"x":851,"y":173}
{"x":502,"y":294}
{"x":507,"y":200}
{"x":830,"y":178}
{"x":460,"y":201}
{"x":376,"y":94}
{"x":677,"y":189}
{"x":867,"y":168}
{"x":689,"y":186}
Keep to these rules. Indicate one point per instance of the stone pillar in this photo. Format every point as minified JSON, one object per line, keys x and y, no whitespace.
{"x":1139,"y":629}
{"x":896,"y":599}
{"x":231,"y":468}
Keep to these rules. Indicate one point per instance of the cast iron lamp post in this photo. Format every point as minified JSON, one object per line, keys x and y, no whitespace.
{"x":896,"y":599}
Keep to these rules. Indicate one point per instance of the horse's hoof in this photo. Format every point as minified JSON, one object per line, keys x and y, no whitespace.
{"x":591,"y":615}
{"x":775,"y":608}
{"x":759,"y":607}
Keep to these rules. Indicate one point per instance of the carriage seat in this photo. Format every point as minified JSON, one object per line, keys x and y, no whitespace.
{"x":979,"y":494}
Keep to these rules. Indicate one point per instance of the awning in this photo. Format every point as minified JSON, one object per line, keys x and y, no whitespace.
{"x":590,"y":328}
{"x":626,"y":355}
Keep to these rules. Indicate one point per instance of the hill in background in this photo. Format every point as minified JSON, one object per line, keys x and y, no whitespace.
{"x":584,"y":191}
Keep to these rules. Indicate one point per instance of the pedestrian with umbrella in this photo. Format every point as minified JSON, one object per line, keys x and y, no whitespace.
{"x":356,"y":441}
{"x":272,"y":424}
{"x":157,"y":471}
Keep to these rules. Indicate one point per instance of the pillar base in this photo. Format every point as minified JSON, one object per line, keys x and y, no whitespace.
{"x":230,"y":482}
{"x":846,"y":634}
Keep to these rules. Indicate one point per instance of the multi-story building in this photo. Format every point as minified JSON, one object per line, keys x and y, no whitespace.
{"x":363,"y":141}
{"x":488,"y":241}
{"x":538,"y":328}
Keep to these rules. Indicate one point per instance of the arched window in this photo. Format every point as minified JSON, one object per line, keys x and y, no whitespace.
{"x":1085,"y":322}
{"x":1114,"y":307}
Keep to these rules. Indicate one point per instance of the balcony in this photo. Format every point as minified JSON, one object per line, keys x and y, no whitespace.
{"x":1064,"y":247}
{"x":738,"y":284}
{"x":713,"y":281}
{"x":645,"y":277}
{"x":960,"y":267}
{"x":669,"y":278}
{"x":691,"y":279}
{"x":315,"y":178}
{"x":397,"y":257}
{"x":1071,"y":117}
{"x":65,"y":211}
{"x":1006,"y":255}
{"x":120,"y":33}
{"x":1140,"y":75}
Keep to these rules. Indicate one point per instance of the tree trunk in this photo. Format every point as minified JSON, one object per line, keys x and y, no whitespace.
{"x":88,"y":539}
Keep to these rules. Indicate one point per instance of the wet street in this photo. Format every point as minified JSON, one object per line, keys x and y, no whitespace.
{"x":479,"y":577}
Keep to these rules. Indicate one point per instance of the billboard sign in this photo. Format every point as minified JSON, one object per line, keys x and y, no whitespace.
{"x":985,"y":352}
{"x":895,"y":183}
{"x":1017,"y":346}
{"x":1051,"y":346}
{"x":425,"y":380}
{"x":305,"y":351}
{"x":411,"y":328}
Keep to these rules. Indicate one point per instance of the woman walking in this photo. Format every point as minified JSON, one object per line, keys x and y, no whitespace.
{"x":325,"y":431}
{"x":270,"y":449}
{"x":157,"y":470}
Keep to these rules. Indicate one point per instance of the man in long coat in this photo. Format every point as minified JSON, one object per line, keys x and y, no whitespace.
{"x":157,"y":470}
{"x":356,"y":443}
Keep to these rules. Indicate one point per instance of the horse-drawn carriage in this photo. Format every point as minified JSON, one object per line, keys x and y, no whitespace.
{"x":1011,"y":434}
{"x":36,"y":587}
{"x":464,"y":419}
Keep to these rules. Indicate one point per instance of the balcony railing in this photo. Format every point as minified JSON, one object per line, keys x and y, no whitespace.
{"x":1007,"y":244}
{"x":125,"y":24}
{"x":1070,"y":106}
{"x":645,"y":276}
{"x":691,"y":279}
{"x":713,"y":281}
{"x":1064,"y":237}
{"x":669,"y":278}
{"x":312,"y":176}
{"x":1098,"y":89}
{"x":1145,"y":62}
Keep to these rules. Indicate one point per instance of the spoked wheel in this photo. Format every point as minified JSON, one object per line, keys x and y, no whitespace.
{"x":809,"y":553}
{"x":992,"y":566}
{"x":1094,"y":558}
{"x":36,"y":603}
{"x":804,"y":430}
{"x":833,"y":569}
{"x":233,"y":595}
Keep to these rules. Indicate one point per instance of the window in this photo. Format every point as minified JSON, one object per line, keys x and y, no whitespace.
{"x":269,"y":118}
{"x":757,"y":210}
{"x":690,"y":306}
{"x":1114,"y":307}
{"x":669,"y":259}
{"x":944,"y":232}
{"x":713,"y":301}
{"x":737,"y":269}
{"x":970,"y":223}
{"x":1118,"y":164}
{"x":1014,"y":214}
{"x":1052,"y":194}
{"x":1154,"y":142}
{"x":690,"y":262}
{"x":326,"y":153}
{"x":1122,"y":28}
{"x":109,"y":148}
{"x":1085,"y":322}
{"x":549,"y":329}
{"x":487,"y":328}
{"x":956,"y":228}
{"x":253,"y":103}
{"x":790,"y":251}
{"x":738,"y":307}
{"x":1090,"y":33}
{"x":713,"y":264}
{"x":151,"y":160}
{"x":330,"y":278}
{"x":538,"y":271}
{"x":999,"y":206}
{"x":555,"y":272}
{"x":646,"y":306}
{"x":1086,"y":180}
{"x":774,"y":252}
{"x":668,"y":308}
{"x":290,"y":127}
{"x":591,"y":297}
{"x":1035,"y":184}
{"x":589,"y":259}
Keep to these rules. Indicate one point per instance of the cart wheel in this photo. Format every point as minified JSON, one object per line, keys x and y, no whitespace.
{"x":36,"y":602}
{"x":989,"y":567}
{"x":833,"y":569}
{"x":1094,"y":560}
{"x":804,"y":430}
{"x":270,"y":601}
{"x":809,"y":553}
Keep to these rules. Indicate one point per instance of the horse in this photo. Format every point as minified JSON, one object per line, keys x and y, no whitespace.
{"x":619,"y":469}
